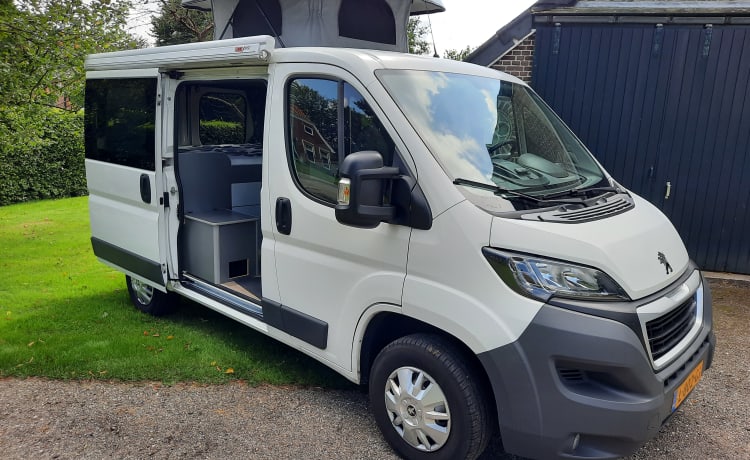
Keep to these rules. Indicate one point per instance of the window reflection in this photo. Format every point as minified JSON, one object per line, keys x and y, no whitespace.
{"x":492,"y":131}
{"x":120,"y":117}
{"x":329,"y":119}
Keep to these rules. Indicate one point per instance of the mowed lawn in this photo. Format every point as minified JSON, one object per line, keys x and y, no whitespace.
{"x":65,"y":315}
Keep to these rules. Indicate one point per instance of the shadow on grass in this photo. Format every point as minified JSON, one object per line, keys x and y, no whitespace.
{"x":276,"y":357}
{"x":100,"y":335}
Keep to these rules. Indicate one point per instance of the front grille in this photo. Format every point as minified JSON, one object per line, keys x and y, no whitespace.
{"x":667,"y":331}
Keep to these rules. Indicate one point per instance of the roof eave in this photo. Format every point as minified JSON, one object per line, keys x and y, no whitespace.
{"x":503,"y":40}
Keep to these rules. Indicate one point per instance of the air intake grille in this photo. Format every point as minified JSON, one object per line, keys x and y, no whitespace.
{"x":571,"y":375}
{"x":610,"y":208}
{"x":576,"y":214}
{"x":666,"y":331}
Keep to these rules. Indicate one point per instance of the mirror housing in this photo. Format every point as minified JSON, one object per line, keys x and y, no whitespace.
{"x":363,"y":181}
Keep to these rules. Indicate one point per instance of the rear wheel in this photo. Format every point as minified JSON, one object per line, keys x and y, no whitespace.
{"x":427,"y":401}
{"x":147,"y":299}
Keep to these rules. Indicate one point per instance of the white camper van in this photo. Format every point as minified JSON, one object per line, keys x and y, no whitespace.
{"x":426,"y":227}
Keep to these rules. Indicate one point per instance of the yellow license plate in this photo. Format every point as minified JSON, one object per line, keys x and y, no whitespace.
{"x":687,"y":386}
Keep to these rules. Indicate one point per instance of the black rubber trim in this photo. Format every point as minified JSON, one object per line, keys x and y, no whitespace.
{"x":296,"y":323}
{"x":129,"y":261}
{"x":571,"y":373}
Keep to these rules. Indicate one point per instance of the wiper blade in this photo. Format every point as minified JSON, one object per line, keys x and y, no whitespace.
{"x":582,"y":192}
{"x":504,"y":191}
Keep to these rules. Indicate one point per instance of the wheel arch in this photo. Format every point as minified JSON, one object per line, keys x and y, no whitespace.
{"x":384,"y":327}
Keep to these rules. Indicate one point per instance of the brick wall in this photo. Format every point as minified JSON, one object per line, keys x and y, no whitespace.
{"x":518,"y":61}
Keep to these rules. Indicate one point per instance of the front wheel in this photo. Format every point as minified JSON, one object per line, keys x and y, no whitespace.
{"x":427,"y":401}
{"x":147,"y":299}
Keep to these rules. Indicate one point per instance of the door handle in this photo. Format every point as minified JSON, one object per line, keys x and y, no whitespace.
{"x":145,"y":189}
{"x":284,"y":215}
{"x":669,"y":190}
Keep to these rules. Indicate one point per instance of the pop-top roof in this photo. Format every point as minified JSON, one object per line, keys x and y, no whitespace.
{"x":374,"y":24}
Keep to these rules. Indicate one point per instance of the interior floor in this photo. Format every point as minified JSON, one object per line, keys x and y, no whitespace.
{"x":247,"y":286}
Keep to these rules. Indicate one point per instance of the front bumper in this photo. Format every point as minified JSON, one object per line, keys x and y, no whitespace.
{"x":576,"y":385}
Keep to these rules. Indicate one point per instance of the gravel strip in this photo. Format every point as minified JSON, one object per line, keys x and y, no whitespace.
{"x":72,"y":420}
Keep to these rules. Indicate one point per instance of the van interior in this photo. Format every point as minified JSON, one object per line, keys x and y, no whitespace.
{"x":219,"y":133}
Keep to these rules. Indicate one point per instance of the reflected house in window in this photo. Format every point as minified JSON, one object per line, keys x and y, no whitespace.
{"x":308,"y":143}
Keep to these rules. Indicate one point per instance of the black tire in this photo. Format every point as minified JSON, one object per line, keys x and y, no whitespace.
{"x":443,"y":372}
{"x":147,"y":299}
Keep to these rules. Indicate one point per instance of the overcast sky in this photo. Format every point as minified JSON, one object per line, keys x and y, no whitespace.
{"x":464,"y":22}
{"x":472,"y":22}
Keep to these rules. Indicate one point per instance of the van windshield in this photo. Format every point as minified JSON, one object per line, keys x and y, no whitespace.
{"x":486,"y":131}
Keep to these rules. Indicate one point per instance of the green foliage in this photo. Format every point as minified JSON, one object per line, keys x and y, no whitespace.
{"x":174,"y":24}
{"x":43,"y":44}
{"x":65,"y":315}
{"x":417,"y":32}
{"x":457,"y":55}
{"x":42,"y":154}
{"x":216,"y":132}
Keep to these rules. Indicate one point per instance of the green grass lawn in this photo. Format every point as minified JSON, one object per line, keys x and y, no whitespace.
{"x":64,"y":315}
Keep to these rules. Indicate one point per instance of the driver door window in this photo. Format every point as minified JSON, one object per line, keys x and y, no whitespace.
{"x":327,"y":120}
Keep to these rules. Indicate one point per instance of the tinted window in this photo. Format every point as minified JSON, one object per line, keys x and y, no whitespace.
{"x":120,"y":118}
{"x":370,"y":20}
{"x":222,"y":118}
{"x":328,"y":120}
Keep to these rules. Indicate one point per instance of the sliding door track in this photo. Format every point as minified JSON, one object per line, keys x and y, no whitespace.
{"x":238,"y":303}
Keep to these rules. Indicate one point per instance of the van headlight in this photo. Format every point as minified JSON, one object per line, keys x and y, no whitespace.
{"x":541,"y":278}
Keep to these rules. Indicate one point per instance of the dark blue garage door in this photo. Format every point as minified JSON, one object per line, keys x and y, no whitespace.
{"x":667,"y":111}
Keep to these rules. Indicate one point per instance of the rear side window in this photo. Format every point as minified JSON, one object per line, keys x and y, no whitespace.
{"x":223,"y":119}
{"x":120,"y":118}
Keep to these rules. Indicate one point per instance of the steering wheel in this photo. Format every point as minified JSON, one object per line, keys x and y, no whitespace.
{"x":495,"y":147}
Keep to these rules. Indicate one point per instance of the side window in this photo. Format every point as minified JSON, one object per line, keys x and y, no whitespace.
{"x":223,"y":119}
{"x":120,"y":117}
{"x":313,"y":108}
{"x":329,"y":119}
{"x":371,"y":20}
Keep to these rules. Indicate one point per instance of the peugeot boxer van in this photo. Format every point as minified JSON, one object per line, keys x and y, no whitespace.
{"x":425,"y":227}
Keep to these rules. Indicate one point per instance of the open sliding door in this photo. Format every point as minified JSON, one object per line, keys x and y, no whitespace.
{"x":124,"y":172}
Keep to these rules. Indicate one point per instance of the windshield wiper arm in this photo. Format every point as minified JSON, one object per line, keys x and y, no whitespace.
{"x":583,"y":191}
{"x":504,"y":191}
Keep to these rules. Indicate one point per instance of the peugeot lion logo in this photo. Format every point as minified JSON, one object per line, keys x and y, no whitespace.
{"x":663,"y":260}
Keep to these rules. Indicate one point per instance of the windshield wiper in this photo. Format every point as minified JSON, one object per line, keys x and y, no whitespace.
{"x":504,"y":191}
{"x":582,"y":192}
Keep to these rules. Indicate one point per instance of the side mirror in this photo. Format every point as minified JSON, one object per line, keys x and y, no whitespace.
{"x":361,"y":187}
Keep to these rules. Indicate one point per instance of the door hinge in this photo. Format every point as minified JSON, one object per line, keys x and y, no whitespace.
{"x":165,"y":200}
{"x":556,"y":38}
{"x":658,"y":40}
{"x":708,"y":33}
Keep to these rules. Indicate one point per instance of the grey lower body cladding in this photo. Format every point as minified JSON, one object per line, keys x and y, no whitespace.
{"x":581,"y":386}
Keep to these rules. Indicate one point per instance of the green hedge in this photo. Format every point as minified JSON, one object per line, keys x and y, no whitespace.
{"x":216,"y":132}
{"x":41,"y":154}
